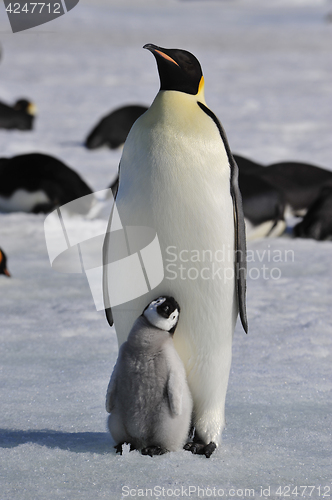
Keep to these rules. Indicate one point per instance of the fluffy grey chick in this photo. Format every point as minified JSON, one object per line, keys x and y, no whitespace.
{"x":148,"y":397}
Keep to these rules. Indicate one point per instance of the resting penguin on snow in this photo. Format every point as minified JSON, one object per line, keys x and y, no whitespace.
{"x":317,"y":222}
{"x":37,"y":182}
{"x":178,"y":176}
{"x":112,"y":130}
{"x":19,"y":116}
{"x":301,"y":183}
{"x":3,"y":263}
{"x":263,"y":204}
{"x":148,"y":396}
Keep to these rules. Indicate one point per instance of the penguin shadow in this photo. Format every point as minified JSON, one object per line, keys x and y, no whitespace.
{"x":79,"y":144}
{"x":78,"y":442}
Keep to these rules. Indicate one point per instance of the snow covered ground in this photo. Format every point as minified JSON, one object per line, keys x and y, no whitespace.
{"x":268,"y":70}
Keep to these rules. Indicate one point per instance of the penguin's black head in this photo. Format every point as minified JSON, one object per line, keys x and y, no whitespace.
{"x":3,"y":264}
{"x":163,"y":313}
{"x":25,"y":106}
{"x":178,"y":69}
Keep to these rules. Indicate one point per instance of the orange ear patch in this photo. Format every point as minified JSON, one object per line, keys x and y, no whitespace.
{"x":165,"y":56}
{"x":1,"y":256}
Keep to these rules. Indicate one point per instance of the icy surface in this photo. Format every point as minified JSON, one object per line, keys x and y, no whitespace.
{"x":267,"y":68}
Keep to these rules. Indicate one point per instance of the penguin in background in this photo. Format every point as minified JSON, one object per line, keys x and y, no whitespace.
{"x":301,"y":183}
{"x":148,"y":397}
{"x":317,"y":222}
{"x":263,"y":204}
{"x":19,"y":116}
{"x":178,"y":176}
{"x":112,"y":130}
{"x":3,"y":264}
{"x":38,"y":183}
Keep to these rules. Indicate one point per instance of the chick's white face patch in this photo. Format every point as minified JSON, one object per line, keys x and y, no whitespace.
{"x":159,"y":321}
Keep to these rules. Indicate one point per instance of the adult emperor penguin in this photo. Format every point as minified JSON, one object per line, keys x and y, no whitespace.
{"x":177,"y":175}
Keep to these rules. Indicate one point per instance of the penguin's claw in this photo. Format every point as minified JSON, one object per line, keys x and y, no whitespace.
{"x":153,"y":450}
{"x":201,"y":448}
{"x":209,"y":449}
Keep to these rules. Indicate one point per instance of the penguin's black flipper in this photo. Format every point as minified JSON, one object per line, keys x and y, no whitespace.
{"x":109,"y":316}
{"x":115,"y":186}
{"x":240,"y":245}
{"x":240,"y":231}
{"x":108,"y":311}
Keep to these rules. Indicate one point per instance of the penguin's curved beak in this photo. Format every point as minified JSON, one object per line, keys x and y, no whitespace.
{"x":160,"y":52}
{"x":7,"y":273}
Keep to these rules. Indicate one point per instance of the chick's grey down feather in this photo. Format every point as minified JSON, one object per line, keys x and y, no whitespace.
{"x":148,"y":396}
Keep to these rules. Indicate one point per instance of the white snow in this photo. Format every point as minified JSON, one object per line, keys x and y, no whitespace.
{"x":267,"y":68}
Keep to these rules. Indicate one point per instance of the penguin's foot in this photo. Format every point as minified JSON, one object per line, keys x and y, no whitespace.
{"x":153,"y":450}
{"x":201,"y":448}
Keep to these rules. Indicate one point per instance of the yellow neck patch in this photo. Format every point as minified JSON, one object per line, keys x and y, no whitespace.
{"x":200,"y":92}
{"x":201,"y":85}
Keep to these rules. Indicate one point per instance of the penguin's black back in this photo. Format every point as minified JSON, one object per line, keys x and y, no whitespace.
{"x":247,"y":166}
{"x":301,"y":183}
{"x":317,"y":223}
{"x":261,"y":201}
{"x":113,"y":129}
{"x":36,"y":171}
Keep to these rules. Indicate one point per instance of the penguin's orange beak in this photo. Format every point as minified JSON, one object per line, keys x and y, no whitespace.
{"x":158,"y":50}
{"x":7,"y":273}
{"x":165,"y":56}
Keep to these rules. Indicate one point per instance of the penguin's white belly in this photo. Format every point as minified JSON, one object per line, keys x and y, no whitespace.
{"x":180,"y":186}
{"x":22,"y":201}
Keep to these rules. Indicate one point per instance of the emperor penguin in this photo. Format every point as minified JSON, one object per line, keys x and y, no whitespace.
{"x":112,"y":129}
{"x":177,"y":175}
{"x":3,"y":264}
{"x":148,"y":397}
{"x":19,"y":116}
{"x":38,"y":183}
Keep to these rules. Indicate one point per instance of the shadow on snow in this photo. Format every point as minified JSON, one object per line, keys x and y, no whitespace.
{"x":79,"y":442}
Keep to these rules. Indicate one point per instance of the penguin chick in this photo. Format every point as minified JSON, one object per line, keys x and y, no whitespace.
{"x":148,"y":395}
{"x":3,"y":264}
